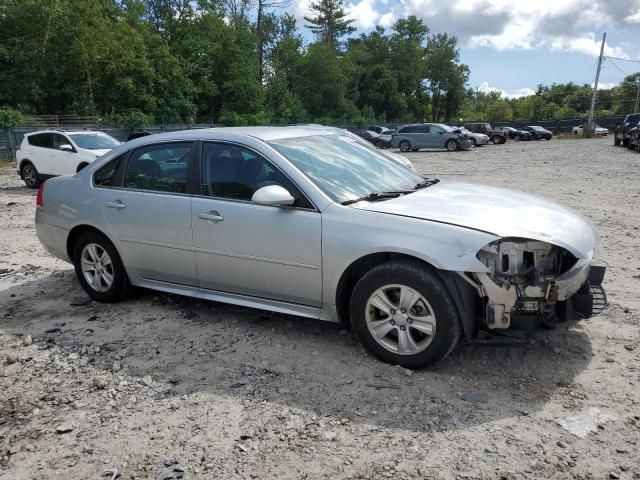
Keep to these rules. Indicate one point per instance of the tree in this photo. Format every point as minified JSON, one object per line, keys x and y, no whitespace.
{"x":329,"y":22}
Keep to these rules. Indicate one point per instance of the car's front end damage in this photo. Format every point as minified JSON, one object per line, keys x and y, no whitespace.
{"x":530,"y":283}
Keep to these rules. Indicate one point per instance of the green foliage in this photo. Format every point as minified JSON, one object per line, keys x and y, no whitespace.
{"x":329,"y":21}
{"x":134,"y":62}
{"x":9,"y":117}
{"x":132,"y":119}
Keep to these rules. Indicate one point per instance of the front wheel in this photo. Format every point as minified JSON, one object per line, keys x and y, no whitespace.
{"x":496,"y":139}
{"x":451,"y":145}
{"x":517,"y":138}
{"x":99,"y":268}
{"x":30,"y":175}
{"x":405,"y":146}
{"x":403,"y":314}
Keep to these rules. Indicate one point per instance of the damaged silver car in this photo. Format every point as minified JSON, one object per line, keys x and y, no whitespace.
{"x":308,"y":221}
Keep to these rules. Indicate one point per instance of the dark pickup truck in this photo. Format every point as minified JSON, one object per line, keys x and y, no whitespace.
{"x":494,"y":135}
{"x":623,"y":130}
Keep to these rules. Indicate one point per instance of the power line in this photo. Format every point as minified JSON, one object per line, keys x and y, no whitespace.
{"x":615,"y":65}
{"x":623,"y":59}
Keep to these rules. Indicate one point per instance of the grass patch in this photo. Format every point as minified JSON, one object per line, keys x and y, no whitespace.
{"x":6,"y":163}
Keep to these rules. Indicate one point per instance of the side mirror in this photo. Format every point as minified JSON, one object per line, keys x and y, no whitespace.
{"x":273,"y":196}
{"x":65,"y":147}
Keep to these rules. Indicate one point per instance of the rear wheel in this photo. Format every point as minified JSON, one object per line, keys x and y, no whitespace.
{"x":99,"y":268}
{"x":473,"y":140}
{"x":403,"y":314}
{"x":517,"y":138}
{"x":451,"y":145}
{"x":405,"y":146}
{"x":496,"y":139}
{"x":30,"y":175}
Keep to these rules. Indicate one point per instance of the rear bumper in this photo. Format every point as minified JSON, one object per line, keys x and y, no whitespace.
{"x":53,"y":239}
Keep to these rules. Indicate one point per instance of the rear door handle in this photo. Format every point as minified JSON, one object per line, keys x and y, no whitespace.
{"x":213,"y":216}
{"x":116,"y":204}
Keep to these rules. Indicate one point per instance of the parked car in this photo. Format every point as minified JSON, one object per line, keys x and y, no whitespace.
{"x":379,"y":129}
{"x":538,"y":133}
{"x":494,"y":135}
{"x":514,"y":134}
{"x":621,"y":133}
{"x":597,"y":129}
{"x":49,"y":153}
{"x":380,"y":141}
{"x":429,"y":135}
{"x":478,"y":139}
{"x":400,"y":159}
{"x":634,"y":137}
{"x":310,"y":222}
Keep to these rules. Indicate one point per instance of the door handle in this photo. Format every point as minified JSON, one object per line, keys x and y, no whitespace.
{"x":213,"y":216}
{"x":116,"y":204}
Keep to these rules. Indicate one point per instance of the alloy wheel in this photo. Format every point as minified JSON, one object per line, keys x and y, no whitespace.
{"x":29,"y":175}
{"x":97,"y":267}
{"x":400,"y":319}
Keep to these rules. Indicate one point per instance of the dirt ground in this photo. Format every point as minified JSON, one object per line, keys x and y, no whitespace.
{"x":234,"y":393}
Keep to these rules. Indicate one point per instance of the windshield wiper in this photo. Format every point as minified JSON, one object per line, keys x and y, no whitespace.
{"x":426,"y":183}
{"x":376,"y":196}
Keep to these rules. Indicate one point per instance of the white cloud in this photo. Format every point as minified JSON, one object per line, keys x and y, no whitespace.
{"x":484,"y":87}
{"x":364,"y":14}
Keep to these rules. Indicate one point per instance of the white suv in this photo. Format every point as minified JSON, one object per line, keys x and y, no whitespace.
{"x":50,"y":153}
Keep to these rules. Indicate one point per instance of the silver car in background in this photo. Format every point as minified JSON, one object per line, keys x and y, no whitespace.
{"x":478,"y":139}
{"x":429,"y":135}
{"x":309,"y":221}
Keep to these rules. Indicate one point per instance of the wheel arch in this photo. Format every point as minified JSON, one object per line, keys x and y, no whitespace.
{"x":464,"y":296}
{"x":78,"y":230}
{"x":21,"y":165}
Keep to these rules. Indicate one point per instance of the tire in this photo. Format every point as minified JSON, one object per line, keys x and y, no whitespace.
{"x":625,"y":142}
{"x":616,"y":141}
{"x":89,"y":246}
{"x":434,"y":301}
{"x":451,"y":145}
{"x":81,"y":166}
{"x":473,"y":140}
{"x":496,"y":139}
{"x":30,"y":175}
{"x":517,"y":138}
{"x":405,"y":146}
{"x":548,"y":137}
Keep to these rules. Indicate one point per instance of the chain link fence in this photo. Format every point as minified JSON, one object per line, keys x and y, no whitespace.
{"x":11,"y":137}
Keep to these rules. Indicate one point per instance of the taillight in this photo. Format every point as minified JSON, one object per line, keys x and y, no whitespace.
{"x":39,"y":202}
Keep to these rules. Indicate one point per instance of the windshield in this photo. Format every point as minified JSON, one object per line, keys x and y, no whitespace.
{"x":446,"y":127}
{"x":465,"y":131}
{"x":343,"y":168}
{"x":94,"y":141}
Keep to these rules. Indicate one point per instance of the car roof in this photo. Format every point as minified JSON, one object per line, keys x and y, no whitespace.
{"x":69,"y":132}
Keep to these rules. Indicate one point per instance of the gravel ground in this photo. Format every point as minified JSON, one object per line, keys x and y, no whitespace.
{"x":228,"y":392}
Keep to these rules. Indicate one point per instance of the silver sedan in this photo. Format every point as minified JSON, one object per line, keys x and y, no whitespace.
{"x":311,"y":222}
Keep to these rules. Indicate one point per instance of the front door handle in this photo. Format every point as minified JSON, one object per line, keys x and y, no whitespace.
{"x":116,"y":204}
{"x":213,"y":216}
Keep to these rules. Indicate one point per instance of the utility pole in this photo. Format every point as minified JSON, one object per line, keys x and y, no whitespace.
{"x":637,"y":104}
{"x":595,"y":87}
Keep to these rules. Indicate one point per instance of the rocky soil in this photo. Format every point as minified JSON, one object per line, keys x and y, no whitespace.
{"x":233,"y":393}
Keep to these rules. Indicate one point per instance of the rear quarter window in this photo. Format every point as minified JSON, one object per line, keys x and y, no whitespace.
{"x":43,"y":140}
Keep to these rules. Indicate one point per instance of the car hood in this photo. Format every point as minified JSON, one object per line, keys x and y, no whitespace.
{"x":499,"y":211}
{"x":97,"y":153}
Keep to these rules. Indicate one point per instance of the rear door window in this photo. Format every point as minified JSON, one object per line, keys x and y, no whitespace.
{"x":421,"y":129}
{"x":161,"y":168}
{"x":42,"y":140}
{"x":107,"y":176}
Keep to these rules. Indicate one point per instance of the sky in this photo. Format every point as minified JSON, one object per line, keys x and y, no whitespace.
{"x":513,"y":45}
